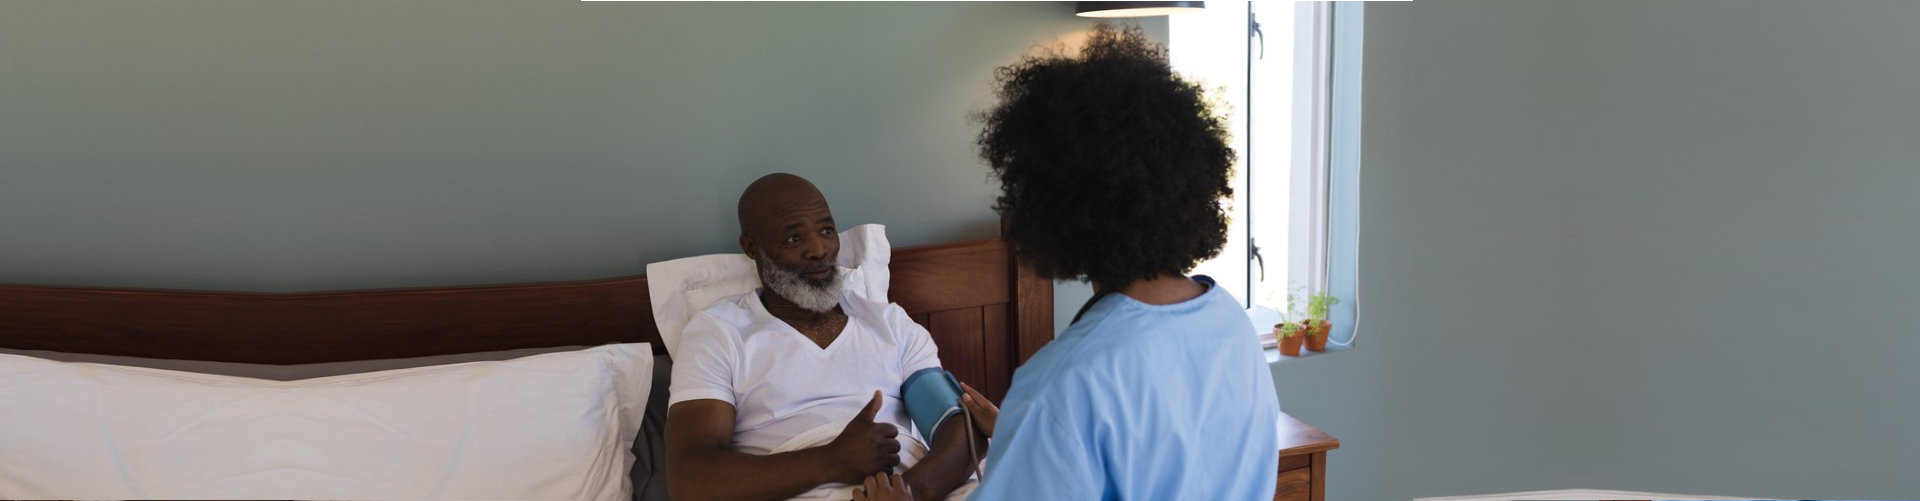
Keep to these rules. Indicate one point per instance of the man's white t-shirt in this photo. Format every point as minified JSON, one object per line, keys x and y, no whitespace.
{"x":783,"y":386}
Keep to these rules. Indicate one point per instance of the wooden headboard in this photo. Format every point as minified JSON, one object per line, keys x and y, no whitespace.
{"x":985,"y":312}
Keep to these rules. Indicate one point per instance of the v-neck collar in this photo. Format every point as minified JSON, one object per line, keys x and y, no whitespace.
{"x":760,"y":305}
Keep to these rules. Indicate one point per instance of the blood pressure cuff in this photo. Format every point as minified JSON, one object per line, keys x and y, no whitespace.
{"x":932,"y":395}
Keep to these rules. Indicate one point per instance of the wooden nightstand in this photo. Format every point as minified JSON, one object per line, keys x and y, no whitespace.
{"x":1303,"y":461}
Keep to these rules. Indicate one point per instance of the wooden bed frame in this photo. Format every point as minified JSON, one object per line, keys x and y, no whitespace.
{"x":986,"y":313}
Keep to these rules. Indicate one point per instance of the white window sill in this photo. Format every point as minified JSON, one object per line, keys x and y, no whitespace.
{"x":1261,"y":315}
{"x":1275,"y":358}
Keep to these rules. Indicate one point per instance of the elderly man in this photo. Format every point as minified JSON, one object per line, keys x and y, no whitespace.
{"x":793,"y":390}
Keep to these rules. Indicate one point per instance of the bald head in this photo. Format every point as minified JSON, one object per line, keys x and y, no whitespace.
{"x":773,"y":195}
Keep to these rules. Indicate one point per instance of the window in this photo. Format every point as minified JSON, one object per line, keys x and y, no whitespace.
{"x":1288,"y":74}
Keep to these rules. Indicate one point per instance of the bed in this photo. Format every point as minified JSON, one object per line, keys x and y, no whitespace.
{"x":985,"y":311}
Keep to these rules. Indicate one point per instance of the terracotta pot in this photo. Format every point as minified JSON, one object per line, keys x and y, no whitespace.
{"x":1289,"y":344}
{"x":1317,"y":335}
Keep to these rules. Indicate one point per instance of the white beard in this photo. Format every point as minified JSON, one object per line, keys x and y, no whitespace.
{"x":818,"y":297}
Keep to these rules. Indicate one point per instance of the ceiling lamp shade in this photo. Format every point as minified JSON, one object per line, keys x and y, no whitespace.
{"x":1135,"y":9}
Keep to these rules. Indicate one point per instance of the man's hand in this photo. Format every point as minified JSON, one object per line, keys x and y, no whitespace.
{"x":884,"y":487}
{"x":983,"y":411}
{"x":864,"y":447}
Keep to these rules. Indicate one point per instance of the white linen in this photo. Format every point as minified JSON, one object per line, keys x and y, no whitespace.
{"x":909,"y":447}
{"x":781,"y":384}
{"x":682,"y":287}
{"x":290,"y":372}
{"x":552,"y":426}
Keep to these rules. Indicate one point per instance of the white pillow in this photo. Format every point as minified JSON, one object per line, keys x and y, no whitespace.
{"x":552,"y":426}
{"x":682,"y":287}
{"x":290,"y":372}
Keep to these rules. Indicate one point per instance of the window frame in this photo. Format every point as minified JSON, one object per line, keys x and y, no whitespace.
{"x":1321,"y":167}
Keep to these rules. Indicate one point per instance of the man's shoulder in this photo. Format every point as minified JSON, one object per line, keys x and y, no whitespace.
{"x":856,"y":306}
{"x":889,"y":317}
{"x":724,"y":322}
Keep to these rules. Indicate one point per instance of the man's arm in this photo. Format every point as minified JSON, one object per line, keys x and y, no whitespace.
{"x":701,"y":464}
{"x":947,"y":463}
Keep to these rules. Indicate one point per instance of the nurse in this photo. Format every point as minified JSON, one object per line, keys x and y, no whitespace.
{"x":1112,"y":170}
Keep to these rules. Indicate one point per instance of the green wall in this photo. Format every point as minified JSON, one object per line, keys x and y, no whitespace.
{"x":282,"y":145}
{"x":1643,"y":245}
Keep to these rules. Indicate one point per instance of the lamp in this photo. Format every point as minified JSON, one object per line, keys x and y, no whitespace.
{"x":1135,"y":9}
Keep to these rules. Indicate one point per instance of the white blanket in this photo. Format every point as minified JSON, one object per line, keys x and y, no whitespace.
{"x":911,"y":450}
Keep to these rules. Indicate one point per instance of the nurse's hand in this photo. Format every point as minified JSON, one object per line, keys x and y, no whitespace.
{"x":884,"y":486}
{"x":983,"y":410}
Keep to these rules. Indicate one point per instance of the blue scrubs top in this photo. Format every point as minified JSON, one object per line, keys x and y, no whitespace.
{"x":1139,"y":401}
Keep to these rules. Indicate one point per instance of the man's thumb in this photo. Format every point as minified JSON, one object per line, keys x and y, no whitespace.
{"x":873,"y":409}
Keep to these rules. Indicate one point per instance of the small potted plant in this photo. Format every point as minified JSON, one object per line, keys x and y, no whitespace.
{"x":1316,"y":322}
{"x":1290,"y":332}
{"x":1291,"y":335}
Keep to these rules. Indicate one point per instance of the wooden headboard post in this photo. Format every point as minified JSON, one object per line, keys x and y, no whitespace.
{"x":1035,"y":309}
{"x":1033,"y":314}
{"x":986,"y":313}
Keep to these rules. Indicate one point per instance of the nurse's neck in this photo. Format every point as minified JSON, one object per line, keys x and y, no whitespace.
{"x":1161,"y":289}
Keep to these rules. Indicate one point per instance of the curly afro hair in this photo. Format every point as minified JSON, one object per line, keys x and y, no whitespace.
{"x":1112,"y":167}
